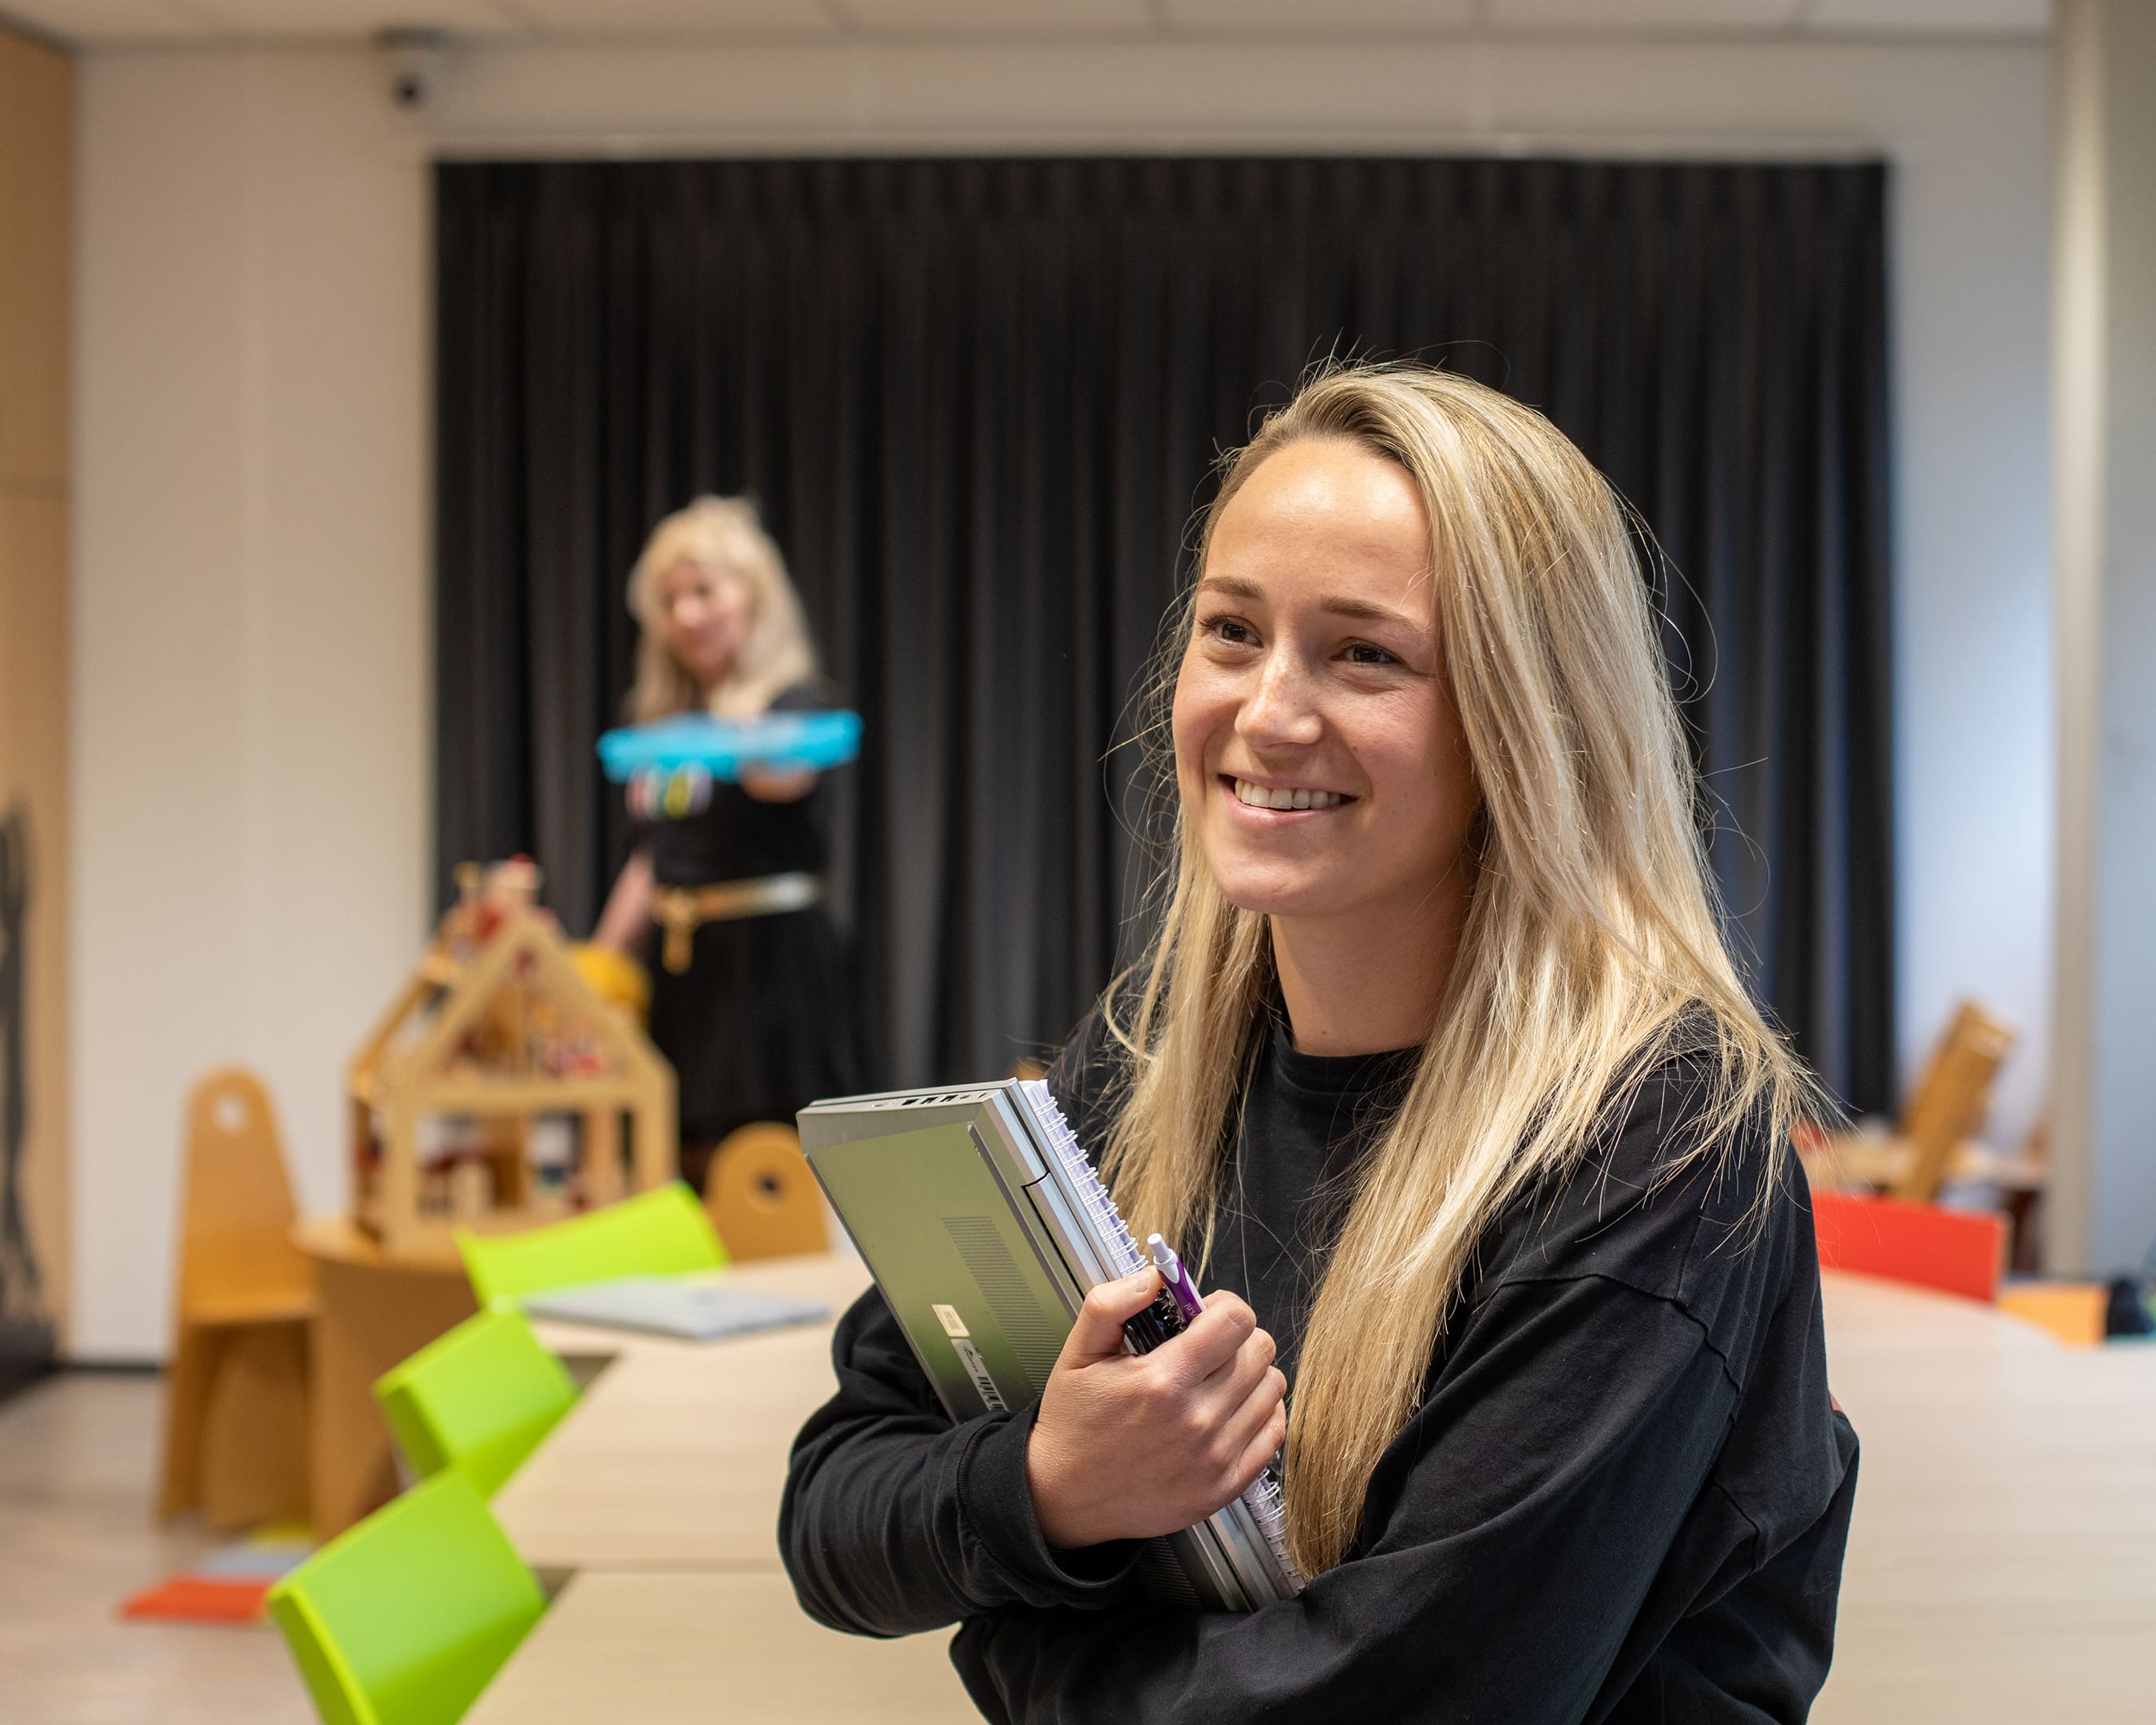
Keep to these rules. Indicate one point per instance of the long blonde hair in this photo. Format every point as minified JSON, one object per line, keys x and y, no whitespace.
{"x":723,"y":535}
{"x":1592,"y":947}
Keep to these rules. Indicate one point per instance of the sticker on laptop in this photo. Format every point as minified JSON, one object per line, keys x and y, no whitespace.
{"x":976,"y":1368}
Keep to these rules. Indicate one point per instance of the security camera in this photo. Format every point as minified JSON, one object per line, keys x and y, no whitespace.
{"x":416,"y":59}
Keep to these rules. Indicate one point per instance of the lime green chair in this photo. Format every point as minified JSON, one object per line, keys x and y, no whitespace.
{"x":478,"y":1399}
{"x":660,"y":1233}
{"x":403,"y":1620}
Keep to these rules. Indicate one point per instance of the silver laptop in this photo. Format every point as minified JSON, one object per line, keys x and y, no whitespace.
{"x":984,"y":1225}
{"x":668,"y":1305}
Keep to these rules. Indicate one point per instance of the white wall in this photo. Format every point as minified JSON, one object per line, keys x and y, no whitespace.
{"x":2103,"y":1209}
{"x":251,"y":691}
{"x":251,"y":762}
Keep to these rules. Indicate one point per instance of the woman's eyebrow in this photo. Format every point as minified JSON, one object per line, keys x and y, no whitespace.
{"x":1234,"y":587}
{"x":1344,"y":605}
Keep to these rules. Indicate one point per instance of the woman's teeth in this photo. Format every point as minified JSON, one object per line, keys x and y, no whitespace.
{"x":1259,"y":796}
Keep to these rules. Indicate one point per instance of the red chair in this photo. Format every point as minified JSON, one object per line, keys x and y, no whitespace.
{"x":1956,"y":1251}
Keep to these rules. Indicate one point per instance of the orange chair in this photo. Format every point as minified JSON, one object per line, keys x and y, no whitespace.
{"x":1956,"y":1251}
{"x":760,"y":1195}
{"x":235,"y":1399}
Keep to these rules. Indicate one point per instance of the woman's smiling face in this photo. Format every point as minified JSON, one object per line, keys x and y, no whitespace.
{"x":1318,"y":751}
{"x":705,"y":614}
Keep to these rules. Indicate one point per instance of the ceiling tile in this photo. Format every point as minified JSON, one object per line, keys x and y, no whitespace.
{"x":86,"y":21}
{"x":287,"y":19}
{"x":1953,"y":17}
{"x":1317,"y":18}
{"x":1619,"y":17}
{"x":676,"y":18}
{"x":1000,"y":18}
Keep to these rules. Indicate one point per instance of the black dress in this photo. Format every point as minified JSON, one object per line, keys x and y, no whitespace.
{"x":762,"y":1022}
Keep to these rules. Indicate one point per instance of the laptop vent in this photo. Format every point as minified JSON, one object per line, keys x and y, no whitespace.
{"x":933,"y":1101}
{"x":1017,"y":1313}
{"x":1161,"y":1576}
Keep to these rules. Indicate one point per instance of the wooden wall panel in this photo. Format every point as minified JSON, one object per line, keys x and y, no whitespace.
{"x":36,"y":121}
{"x":35,"y":146}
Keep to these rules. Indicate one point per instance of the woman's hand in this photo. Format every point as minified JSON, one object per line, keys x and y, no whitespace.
{"x":1127,"y":1446}
{"x":790,"y":786}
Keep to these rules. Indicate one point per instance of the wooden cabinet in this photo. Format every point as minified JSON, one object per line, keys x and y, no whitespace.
{"x":36,"y":123}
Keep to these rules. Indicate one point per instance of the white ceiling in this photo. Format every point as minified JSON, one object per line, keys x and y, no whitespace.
{"x":90,"y":22}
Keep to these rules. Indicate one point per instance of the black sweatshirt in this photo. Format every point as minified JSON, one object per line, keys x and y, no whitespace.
{"x":1624,"y":1495}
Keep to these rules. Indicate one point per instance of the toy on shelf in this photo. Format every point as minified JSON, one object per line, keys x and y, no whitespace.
{"x":670,"y":764}
{"x":496,"y":1032}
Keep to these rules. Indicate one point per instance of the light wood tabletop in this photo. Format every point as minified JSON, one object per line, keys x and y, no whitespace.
{"x":687,"y":1648}
{"x":675,"y":1456}
{"x":2002,"y":1564}
{"x":2002,"y":1560}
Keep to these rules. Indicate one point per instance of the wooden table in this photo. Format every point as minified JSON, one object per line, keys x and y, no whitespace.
{"x":2002,"y":1565}
{"x":375,"y":1308}
{"x":675,"y":1455}
{"x":688,"y":1649}
{"x":2002,"y":1562}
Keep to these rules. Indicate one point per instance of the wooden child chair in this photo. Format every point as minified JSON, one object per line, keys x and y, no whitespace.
{"x":760,"y":1195}
{"x":1949,"y":1104}
{"x":1945,"y":1109}
{"x":235,"y":1404}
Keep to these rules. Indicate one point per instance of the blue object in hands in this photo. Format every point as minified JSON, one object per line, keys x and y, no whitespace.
{"x":776,"y":742}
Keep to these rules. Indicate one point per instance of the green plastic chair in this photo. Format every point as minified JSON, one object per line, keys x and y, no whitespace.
{"x":404,"y":1619}
{"x":478,"y":1399}
{"x":661,"y":1233}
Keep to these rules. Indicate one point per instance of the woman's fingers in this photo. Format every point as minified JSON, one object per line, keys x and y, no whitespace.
{"x":1231,"y":1428}
{"x":1259,"y":1452}
{"x":1227,"y":1389}
{"x":1098,"y":1333}
{"x":1211,"y":1342}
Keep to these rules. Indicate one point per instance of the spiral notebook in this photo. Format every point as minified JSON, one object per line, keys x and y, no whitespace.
{"x":983,"y":1223}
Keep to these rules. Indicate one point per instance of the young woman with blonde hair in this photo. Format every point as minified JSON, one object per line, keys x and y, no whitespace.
{"x":749,"y":999}
{"x":1438,"y":1063}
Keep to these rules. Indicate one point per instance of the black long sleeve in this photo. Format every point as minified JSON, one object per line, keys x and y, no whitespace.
{"x":895,"y":1520}
{"x":1624,"y":1495}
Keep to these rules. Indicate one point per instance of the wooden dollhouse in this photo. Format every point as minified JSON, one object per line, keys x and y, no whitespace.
{"x":496,"y":1032}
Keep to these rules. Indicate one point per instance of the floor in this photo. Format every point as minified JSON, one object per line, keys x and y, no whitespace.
{"x":77,"y":1455}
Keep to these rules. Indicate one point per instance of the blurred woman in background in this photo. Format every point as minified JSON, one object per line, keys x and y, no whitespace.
{"x":749,"y":997}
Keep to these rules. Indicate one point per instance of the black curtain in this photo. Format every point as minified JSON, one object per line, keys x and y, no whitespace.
{"x":978,"y":401}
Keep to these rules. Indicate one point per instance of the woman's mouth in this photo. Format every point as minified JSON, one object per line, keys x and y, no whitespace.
{"x":1253,"y":795}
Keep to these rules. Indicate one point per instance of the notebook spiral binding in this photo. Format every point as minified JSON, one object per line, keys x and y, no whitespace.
{"x":1262,"y":1496}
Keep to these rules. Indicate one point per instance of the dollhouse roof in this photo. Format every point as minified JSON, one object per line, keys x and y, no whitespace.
{"x":427,"y":1049}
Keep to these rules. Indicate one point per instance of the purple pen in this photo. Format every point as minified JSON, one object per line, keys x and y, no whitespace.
{"x":1174,"y":1277}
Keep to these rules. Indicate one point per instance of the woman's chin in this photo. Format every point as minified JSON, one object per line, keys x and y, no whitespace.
{"x":1272,"y":893}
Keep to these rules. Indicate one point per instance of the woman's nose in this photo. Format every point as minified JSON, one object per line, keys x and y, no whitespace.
{"x":1281,"y":708}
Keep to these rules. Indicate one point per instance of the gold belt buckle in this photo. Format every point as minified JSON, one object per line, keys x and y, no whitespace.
{"x":678,"y":911}
{"x":683,"y":910}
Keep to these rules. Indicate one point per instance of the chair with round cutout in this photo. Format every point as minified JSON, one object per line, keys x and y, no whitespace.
{"x":760,"y":1195}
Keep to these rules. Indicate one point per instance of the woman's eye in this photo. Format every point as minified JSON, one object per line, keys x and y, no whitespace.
{"x":1365,"y":653}
{"x":1232,"y":631}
